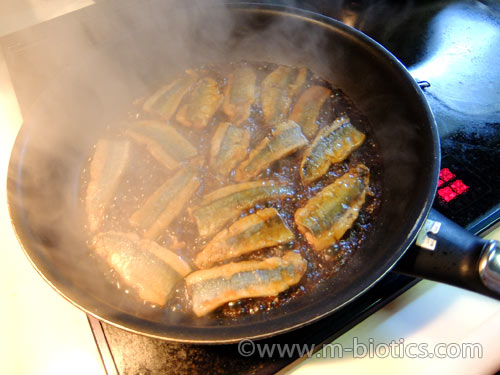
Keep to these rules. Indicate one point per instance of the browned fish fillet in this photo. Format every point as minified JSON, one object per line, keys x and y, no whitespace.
{"x":333,"y":144}
{"x":226,"y":204}
{"x":143,"y":265}
{"x":306,"y":110}
{"x":166,"y":203}
{"x":163,"y":142}
{"x":108,"y":164}
{"x":216,"y":286}
{"x":239,"y":94}
{"x":327,"y":216}
{"x":285,"y":140}
{"x":264,"y":228}
{"x":278,"y":90}
{"x":229,"y":146}
{"x":203,"y":103}
{"x":164,"y":102}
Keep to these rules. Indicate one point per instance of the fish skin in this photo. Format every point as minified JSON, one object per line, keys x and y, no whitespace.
{"x":228,"y":147}
{"x":264,"y":228}
{"x":213,"y":287}
{"x":163,"y":142}
{"x":224,"y":205}
{"x":327,"y":216}
{"x":306,"y":110}
{"x":285,"y":140}
{"x":204,"y":102}
{"x":239,"y":94}
{"x":166,"y":203}
{"x":106,"y":168}
{"x":333,"y":144}
{"x":165,"y":101}
{"x":278,"y":91}
{"x":142,"y":264}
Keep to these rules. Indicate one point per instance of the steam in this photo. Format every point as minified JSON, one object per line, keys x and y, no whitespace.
{"x":142,"y":47}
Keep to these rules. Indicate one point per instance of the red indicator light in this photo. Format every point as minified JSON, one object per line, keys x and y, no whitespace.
{"x":459,"y":187}
{"x":445,"y":175}
{"x":447,"y":194}
{"x":454,"y":187}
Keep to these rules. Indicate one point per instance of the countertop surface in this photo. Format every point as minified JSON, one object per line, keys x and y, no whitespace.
{"x":42,"y":333}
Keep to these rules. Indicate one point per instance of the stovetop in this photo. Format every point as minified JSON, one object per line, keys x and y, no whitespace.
{"x":454,"y":45}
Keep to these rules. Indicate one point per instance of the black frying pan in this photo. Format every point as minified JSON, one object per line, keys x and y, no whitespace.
{"x":55,"y":142}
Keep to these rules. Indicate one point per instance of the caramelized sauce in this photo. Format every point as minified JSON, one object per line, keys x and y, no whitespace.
{"x":145,"y":175}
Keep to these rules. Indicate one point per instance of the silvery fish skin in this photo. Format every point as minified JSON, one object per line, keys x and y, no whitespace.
{"x":285,"y":140}
{"x":306,"y":110}
{"x":229,"y":146}
{"x":264,"y":228}
{"x":224,"y":205}
{"x":327,"y":216}
{"x":143,"y":265}
{"x":278,"y":90}
{"x":163,"y":142}
{"x":204,"y":102}
{"x":106,"y":168}
{"x":333,"y":144}
{"x":166,"y":203}
{"x":239,"y":94}
{"x":216,"y":286}
{"x":165,"y":101}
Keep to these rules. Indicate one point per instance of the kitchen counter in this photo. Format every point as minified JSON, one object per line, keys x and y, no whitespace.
{"x":44,"y":334}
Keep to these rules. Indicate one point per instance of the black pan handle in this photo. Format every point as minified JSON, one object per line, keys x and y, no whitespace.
{"x":459,"y":258}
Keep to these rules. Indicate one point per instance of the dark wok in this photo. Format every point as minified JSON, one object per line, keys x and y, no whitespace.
{"x":55,"y":140}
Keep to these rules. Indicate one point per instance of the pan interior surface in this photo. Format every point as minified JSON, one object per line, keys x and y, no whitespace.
{"x":56,"y":140}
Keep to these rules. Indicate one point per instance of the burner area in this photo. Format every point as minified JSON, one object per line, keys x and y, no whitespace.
{"x":127,"y":353}
{"x":454,"y":45}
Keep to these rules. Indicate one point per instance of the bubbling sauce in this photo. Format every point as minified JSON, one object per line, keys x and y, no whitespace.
{"x":144,"y":175}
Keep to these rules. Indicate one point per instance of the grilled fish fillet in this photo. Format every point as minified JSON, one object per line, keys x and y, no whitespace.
{"x":216,"y":286}
{"x":204,"y":102}
{"x":285,"y":140}
{"x":328,"y":215}
{"x":264,"y":228}
{"x":333,"y":144}
{"x":224,"y":205}
{"x":106,"y":168}
{"x":239,"y":94}
{"x":166,"y":203}
{"x":151,"y":270}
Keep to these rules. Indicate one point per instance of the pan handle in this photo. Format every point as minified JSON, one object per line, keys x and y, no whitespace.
{"x":446,"y":252}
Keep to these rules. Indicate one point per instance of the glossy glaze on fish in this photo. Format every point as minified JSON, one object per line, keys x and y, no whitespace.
{"x":151,"y":270}
{"x":279,"y":89}
{"x":285,"y":140}
{"x":264,"y":228}
{"x":165,"y":101}
{"x":224,"y":205}
{"x":239,"y":94}
{"x":163,"y":142}
{"x":305,"y":112}
{"x":166,"y":203}
{"x":229,"y":146}
{"x":106,"y":169}
{"x":203,"y":103}
{"x":190,"y":180}
{"x":333,"y":144}
{"x":216,"y":286}
{"x":328,"y":215}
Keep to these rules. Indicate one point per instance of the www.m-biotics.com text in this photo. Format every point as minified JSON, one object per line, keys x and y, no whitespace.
{"x":370,"y":349}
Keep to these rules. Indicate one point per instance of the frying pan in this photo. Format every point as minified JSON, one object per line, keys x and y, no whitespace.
{"x":57,"y":136}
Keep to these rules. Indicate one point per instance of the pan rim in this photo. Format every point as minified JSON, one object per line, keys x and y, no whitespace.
{"x":150,"y":329}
